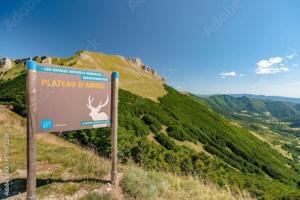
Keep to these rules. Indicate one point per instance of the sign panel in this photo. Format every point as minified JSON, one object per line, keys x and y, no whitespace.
{"x":70,"y":98}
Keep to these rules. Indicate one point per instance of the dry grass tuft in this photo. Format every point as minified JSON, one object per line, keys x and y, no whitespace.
{"x":140,"y":184}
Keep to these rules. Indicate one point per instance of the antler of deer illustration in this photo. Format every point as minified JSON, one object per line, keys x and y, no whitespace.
{"x":90,"y":101}
{"x":103,"y":105}
{"x":89,"y":105}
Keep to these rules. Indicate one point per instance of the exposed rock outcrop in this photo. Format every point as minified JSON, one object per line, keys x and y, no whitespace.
{"x":138,"y":63}
{"x":40,"y":59}
{"x":5,"y":64}
{"x":122,"y":57}
{"x":84,"y":56}
{"x":46,"y":60}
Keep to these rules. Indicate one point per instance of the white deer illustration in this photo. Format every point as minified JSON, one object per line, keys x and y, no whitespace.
{"x":95,"y":113}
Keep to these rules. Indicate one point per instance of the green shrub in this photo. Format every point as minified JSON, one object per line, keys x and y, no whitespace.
{"x":152,"y":122}
{"x":139,"y":128}
{"x":140,"y":184}
{"x":165,"y":141}
{"x":176,"y":132}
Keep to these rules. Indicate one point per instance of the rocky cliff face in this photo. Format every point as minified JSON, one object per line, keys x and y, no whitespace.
{"x":138,"y":63}
{"x":39,"y":59}
{"x":43,"y":59}
{"x":46,"y":60}
{"x":5,"y":64}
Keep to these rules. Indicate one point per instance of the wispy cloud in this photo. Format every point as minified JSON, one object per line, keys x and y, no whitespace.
{"x":291,"y":56}
{"x":228,"y":74}
{"x":224,"y":75}
{"x":272,"y":65}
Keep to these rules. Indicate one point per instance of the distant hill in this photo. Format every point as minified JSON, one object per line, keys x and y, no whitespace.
{"x":175,"y":132}
{"x":275,"y":117}
{"x":294,"y":120}
{"x":278,"y":109}
{"x":272,"y":98}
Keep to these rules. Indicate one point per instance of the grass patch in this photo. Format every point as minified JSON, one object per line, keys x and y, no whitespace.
{"x":96,"y":196}
{"x":62,"y":189}
{"x":140,"y":184}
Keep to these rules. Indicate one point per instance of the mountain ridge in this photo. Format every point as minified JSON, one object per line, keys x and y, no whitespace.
{"x":136,"y":76}
{"x":263,"y":97}
{"x":229,"y":103}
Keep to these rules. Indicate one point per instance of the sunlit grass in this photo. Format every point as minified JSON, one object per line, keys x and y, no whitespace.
{"x":67,"y":170}
{"x":141,"y":184}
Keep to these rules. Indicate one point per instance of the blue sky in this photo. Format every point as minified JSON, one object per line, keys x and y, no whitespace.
{"x":202,"y":46}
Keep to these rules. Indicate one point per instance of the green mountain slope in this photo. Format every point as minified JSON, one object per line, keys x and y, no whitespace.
{"x":274,"y":122}
{"x":231,"y":155}
{"x":68,"y":171}
{"x":272,"y":98}
{"x":294,"y":120}
{"x":277,"y":109}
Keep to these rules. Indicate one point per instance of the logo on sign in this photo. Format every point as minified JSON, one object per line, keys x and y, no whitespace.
{"x":96,"y":113}
{"x":46,"y":124}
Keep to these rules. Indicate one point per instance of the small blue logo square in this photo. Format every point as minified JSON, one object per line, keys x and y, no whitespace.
{"x":46,"y":123}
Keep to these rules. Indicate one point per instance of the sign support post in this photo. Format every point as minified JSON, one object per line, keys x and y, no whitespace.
{"x":31,"y":129}
{"x":114,"y":126}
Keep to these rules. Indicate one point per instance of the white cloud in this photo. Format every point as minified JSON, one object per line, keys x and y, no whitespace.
{"x":227,"y":74}
{"x":271,"y":66}
{"x":270,"y":62}
{"x":230,"y":74}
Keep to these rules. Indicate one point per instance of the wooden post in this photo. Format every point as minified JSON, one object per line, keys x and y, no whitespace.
{"x":31,"y":129}
{"x":114,"y":125}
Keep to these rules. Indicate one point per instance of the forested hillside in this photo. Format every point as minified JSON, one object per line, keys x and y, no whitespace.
{"x":280,"y":117}
{"x":274,"y":122}
{"x":277,"y":109}
{"x":181,"y":134}
{"x":272,"y":98}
